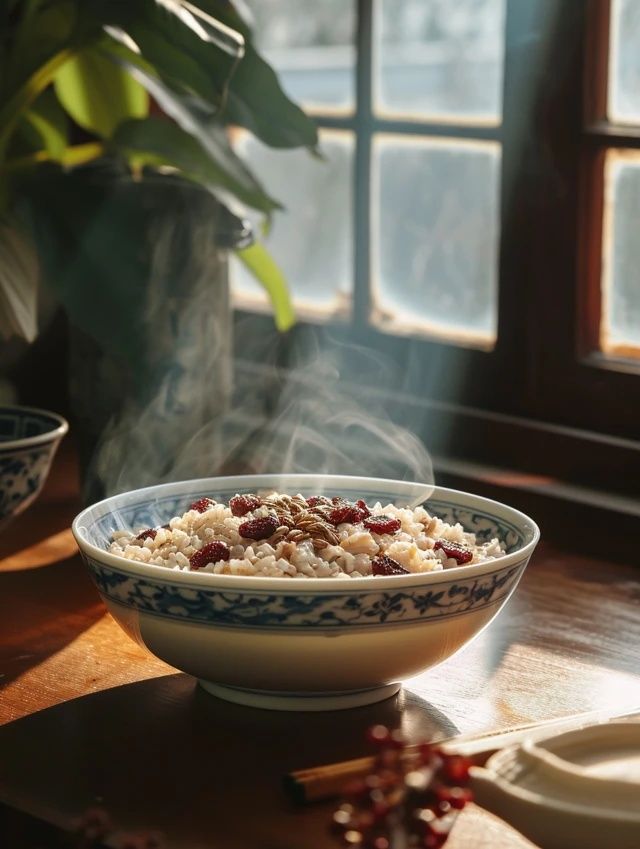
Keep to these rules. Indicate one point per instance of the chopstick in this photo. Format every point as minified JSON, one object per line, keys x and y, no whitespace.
{"x":329,"y":780}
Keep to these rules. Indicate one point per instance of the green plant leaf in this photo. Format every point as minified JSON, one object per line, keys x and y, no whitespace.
{"x":154,"y":141}
{"x":256,"y":102}
{"x":49,"y":120}
{"x":264,"y":268}
{"x":255,"y":99}
{"x":12,"y":110}
{"x":194,"y":56}
{"x":25,"y":141}
{"x":99,"y":94}
{"x":40,"y":29}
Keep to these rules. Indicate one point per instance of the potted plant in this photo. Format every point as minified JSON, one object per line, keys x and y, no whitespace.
{"x":118,"y":182}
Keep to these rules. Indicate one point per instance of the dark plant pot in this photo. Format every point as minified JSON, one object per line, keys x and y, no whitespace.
{"x":141,"y":268}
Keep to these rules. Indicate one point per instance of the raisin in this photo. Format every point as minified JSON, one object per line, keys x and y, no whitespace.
{"x":242,"y":504}
{"x":202,"y":504}
{"x":382,"y":524}
{"x":453,"y":549}
{"x":385,"y":565}
{"x":213,"y":552}
{"x":260,"y":528}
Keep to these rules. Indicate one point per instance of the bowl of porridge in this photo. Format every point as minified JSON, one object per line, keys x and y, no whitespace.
{"x":29,"y":439}
{"x":303,"y":592}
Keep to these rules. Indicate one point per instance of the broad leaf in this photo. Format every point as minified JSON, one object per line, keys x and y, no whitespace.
{"x":263,"y":267}
{"x":159,"y":142}
{"x":48,"y":118}
{"x":99,"y":94}
{"x":25,"y":141}
{"x":256,"y":100}
{"x":12,"y":110}
{"x":176,"y":100}
{"x":72,"y":156}
{"x":185,"y":52}
{"x":40,"y":30}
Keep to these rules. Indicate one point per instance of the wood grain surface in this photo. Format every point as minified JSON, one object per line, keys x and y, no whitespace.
{"x":89,"y":718}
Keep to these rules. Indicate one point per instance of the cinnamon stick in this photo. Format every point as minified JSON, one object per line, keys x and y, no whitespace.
{"x":328,"y":781}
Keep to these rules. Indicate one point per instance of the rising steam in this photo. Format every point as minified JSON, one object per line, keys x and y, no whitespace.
{"x":305,"y":419}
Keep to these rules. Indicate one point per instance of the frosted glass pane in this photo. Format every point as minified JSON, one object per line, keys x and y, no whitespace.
{"x":312,"y":239}
{"x":440,"y":58}
{"x":435,"y":237}
{"x":624,"y":62}
{"x":621,"y":283}
{"x":311,"y":46}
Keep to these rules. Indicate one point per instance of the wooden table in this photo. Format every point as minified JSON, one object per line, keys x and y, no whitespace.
{"x":88,"y":717}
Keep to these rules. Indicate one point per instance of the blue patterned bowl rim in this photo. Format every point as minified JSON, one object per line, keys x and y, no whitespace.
{"x":105,"y":515}
{"x":54,"y":427}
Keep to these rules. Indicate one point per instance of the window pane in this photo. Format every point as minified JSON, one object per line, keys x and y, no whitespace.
{"x":620,"y":321}
{"x":311,"y":46}
{"x":436,"y":234}
{"x":439,"y":58}
{"x":312,"y":239}
{"x":624,"y":62}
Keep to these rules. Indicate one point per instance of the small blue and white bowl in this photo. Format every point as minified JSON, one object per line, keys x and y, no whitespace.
{"x":302,"y":644}
{"x":29,"y":439}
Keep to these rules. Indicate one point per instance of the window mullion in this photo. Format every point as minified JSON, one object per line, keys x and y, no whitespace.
{"x":362,"y":170}
{"x":527,"y":28}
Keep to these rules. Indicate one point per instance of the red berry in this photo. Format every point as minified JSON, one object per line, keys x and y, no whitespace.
{"x":363,"y":508}
{"x":317,"y":501}
{"x":341,"y":513}
{"x":242,"y":504}
{"x":385,"y":565}
{"x":453,"y":549}
{"x":426,"y":752}
{"x":260,"y":528}
{"x":457,"y":797}
{"x":345,"y":512}
{"x":202,"y":504}
{"x":382,"y":524}
{"x":213,"y":552}
{"x":455,"y":769}
{"x":150,"y":533}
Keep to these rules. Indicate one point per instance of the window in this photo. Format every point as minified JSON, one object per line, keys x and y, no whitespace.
{"x":614,"y":127}
{"x":477,"y":216}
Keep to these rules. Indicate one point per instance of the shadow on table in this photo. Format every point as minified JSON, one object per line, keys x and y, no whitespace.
{"x":42,"y":611}
{"x":164,"y":754}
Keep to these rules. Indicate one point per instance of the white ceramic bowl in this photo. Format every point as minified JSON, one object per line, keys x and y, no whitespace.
{"x":302,"y":644}
{"x":29,"y":439}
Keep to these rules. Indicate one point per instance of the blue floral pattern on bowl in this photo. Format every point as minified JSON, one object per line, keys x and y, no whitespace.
{"x":28,"y":441}
{"x":300,"y":610}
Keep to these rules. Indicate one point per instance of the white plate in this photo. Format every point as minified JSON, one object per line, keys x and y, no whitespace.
{"x":579,"y":789}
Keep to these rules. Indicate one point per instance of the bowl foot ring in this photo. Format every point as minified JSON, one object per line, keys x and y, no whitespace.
{"x":274,"y":700}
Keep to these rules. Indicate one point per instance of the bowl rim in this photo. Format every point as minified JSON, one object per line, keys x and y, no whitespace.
{"x":57,"y":432}
{"x":211,"y":581}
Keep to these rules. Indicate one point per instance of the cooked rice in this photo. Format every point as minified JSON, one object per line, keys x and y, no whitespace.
{"x":313,"y":548}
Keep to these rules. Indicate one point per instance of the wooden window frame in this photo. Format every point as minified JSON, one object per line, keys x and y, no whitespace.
{"x":545,"y":366}
{"x":577,"y":383}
